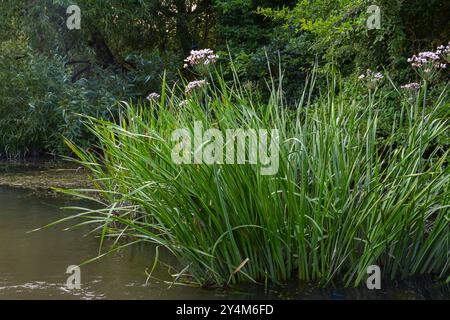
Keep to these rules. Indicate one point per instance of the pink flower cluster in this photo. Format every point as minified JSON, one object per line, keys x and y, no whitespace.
{"x":444,"y":52}
{"x":200,"y":57}
{"x":427,"y":60}
{"x":153,"y":96}
{"x":372,"y":76}
{"x":195,"y":85}
{"x":428,"y":64}
{"x":414,"y":86}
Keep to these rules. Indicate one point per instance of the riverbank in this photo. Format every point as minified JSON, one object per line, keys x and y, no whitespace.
{"x":42,"y":177}
{"x":34,"y":266}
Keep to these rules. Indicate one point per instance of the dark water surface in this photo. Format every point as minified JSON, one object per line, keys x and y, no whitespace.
{"x":33,"y":265}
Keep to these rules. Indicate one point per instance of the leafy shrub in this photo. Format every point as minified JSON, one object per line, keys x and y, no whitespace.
{"x":39,"y":104}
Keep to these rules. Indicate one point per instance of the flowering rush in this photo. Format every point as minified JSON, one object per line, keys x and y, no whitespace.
{"x":444,"y":52}
{"x":195,"y":85}
{"x":200,"y":57}
{"x":427,"y":60}
{"x":153,"y":96}
{"x":414,"y":86}
{"x":184,"y":103}
{"x":370,"y":75}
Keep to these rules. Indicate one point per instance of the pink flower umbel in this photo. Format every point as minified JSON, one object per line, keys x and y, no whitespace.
{"x":411,"y":91}
{"x":444,"y":52}
{"x":153,"y":96}
{"x":184,"y":103}
{"x":414,"y":86}
{"x":191,"y":86}
{"x":423,"y":59}
{"x":201,"y":60}
{"x":372,"y":78}
{"x":427,"y":64}
{"x":200,"y":57}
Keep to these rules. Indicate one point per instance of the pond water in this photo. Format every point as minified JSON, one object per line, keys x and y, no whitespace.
{"x":33,"y":265}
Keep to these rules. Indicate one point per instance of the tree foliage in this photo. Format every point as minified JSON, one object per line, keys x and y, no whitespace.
{"x":124,"y":47}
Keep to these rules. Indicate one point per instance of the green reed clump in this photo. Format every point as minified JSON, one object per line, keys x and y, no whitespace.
{"x":342,"y":200}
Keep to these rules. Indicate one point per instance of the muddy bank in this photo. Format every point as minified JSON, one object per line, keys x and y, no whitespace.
{"x":43,"y":177}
